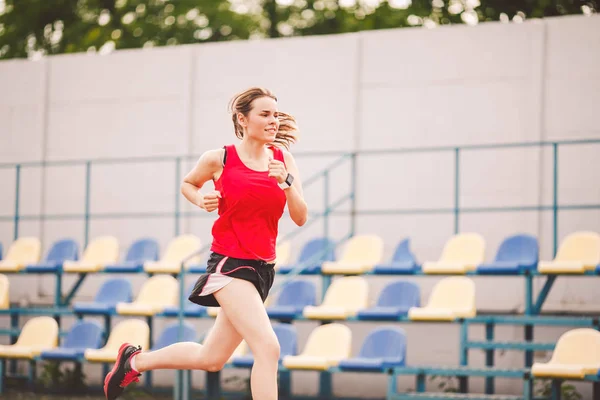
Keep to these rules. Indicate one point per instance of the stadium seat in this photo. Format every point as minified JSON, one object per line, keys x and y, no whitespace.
{"x":288,"y":344}
{"x":61,"y":251}
{"x":403,"y":261}
{"x":22,"y":252}
{"x":139,"y":252}
{"x":4,"y":292}
{"x":344,"y":298}
{"x":462,"y":253}
{"x":383,"y":348}
{"x":578,"y":252}
{"x":451,"y":298}
{"x":283,"y":251}
{"x":82,"y":336}
{"x":99,"y":252}
{"x":294,"y":296}
{"x":177,"y":251}
{"x":189,"y":310}
{"x":38,"y":334}
{"x":326,"y":346}
{"x":170,"y":335}
{"x":361,"y":254}
{"x":132,"y":331}
{"x":156,"y":294}
{"x":577,"y":353}
{"x":515,"y":255}
{"x":394,"y":302}
{"x":314,"y":253}
{"x":112,"y":292}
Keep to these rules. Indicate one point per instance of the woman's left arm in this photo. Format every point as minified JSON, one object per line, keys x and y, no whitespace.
{"x":295,"y":197}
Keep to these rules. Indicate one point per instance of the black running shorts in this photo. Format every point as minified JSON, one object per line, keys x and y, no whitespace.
{"x":220,"y":270}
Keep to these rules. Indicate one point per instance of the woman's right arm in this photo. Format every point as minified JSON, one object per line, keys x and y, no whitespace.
{"x":207,"y":167}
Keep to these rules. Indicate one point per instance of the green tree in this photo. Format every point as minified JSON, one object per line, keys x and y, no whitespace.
{"x":37,"y":27}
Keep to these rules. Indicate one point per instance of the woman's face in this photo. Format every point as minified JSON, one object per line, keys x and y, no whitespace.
{"x":262,"y":123}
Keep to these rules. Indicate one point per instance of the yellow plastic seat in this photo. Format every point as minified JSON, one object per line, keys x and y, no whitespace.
{"x":462,"y":253}
{"x":344,"y":298}
{"x":577,"y":353}
{"x":101,"y":251}
{"x":327,"y":345}
{"x":284,"y":253}
{"x":451,"y":298}
{"x":213,"y":311}
{"x":22,"y":252}
{"x":38,"y":334}
{"x":578,"y":252}
{"x":4,"y":292}
{"x":361,"y":254}
{"x":178,"y":249}
{"x":134,"y":331}
{"x":157,"y":293}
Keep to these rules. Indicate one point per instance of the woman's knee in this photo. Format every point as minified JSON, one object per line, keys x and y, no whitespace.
{"x":267,"y":349}
{"x":214,"y":364}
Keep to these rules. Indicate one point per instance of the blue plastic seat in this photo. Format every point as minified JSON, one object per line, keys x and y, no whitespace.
{"x":112,"y":292}
{"x":382,"y":349}
{"x":288,"y":343}
{"x":293,"y":298}
{"x":190,"y":309}
{"x":0,"y":251}
{"x":61,"y":251}
{"x":83,"y":335}
{"x":515,"y":255}
{"x":403,"y":261}
{"x":170,"y":335}
{"x":314,"y":253}
{"x":394,"y":302}
{"x":140,"y":251}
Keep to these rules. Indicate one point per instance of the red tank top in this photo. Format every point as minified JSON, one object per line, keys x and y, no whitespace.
{"x":250,"y":207}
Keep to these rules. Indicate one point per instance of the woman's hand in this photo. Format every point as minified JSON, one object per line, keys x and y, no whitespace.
{"x":208,"y":201}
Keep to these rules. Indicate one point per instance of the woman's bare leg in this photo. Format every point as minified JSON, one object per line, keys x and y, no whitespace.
{"x":245,"y":310}
{"x":221,"y":342}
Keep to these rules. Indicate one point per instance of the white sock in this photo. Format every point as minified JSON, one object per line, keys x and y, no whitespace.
{"x":132,"y":363}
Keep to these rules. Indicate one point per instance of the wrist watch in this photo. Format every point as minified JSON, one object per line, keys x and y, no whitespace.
{"x":288,"y":182}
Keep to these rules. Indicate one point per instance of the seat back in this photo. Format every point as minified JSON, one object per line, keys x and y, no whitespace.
{"x":386,"y":343}
{"x":287,"y":338}
{"x":580,"y":246}
{"x":102,"y":250}
{"x":349,"y":292}
{"x":114,"y":291}
{"x":455,"y":293}
{"x":283,"y":252}
{"x":84,"y":335}
{"x":39,"y":332}
{"x":0,"y":251}
{"x":400,"y":294}
{"x":523,"y":249}
{"x":180,"y":247}
{"x":298,"y":294}
{"x":159,"y":290}
{"x":329,"y":341}
{"x":25,"y":250}
{"x":143,"y":250}
{"x":464,"y":248}
{"x":170,"y":335}
{"x":4,"y":292}
{"x":578,"y":346}
{"x":129,"y":331}
{"x":63,"y":250}
{"x":363,"y":249}
{"x":402,"y":252}
{"x":318,"y":250}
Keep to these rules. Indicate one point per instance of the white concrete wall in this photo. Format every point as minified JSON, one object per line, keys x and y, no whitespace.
{"x":379,"y":90}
